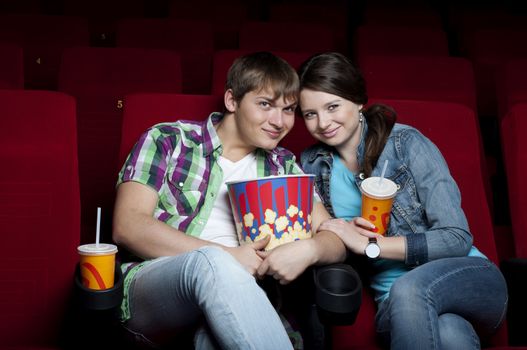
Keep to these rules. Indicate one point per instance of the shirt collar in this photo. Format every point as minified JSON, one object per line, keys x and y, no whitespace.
{"x":211,"y":140}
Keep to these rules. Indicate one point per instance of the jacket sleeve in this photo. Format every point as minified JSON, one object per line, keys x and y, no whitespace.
{"x":447,"y":233}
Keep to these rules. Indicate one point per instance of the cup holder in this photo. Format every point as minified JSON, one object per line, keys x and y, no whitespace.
{"x":338,"y":294}
{"x":100,"y":299}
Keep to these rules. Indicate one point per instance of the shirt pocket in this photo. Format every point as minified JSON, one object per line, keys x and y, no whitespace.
{"x":184,"y":192}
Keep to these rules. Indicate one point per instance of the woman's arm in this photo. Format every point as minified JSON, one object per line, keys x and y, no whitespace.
{"x":447,"y":233}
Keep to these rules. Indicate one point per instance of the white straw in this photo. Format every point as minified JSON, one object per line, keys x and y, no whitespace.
{"x":383,"y":171}
{"x":98,"y":232}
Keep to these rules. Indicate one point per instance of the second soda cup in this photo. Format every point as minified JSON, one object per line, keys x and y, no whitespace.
{"x":377,"y":199}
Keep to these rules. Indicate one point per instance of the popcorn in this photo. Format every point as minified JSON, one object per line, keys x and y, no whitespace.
{"x":275,"y":206}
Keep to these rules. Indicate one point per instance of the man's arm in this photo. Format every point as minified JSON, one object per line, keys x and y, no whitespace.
{"x":135,"y":227}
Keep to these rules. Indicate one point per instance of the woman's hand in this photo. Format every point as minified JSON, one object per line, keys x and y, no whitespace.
{"x":353,"y":233}
{"x":246,"y":254}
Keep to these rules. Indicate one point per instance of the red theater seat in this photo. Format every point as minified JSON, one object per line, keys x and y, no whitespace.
{"x":144,"y":110}
{"x":371,"y":40}
{"x":287,"y":36}
{"x":511,"y":84}
{"x":99,"y":78}
{"x":215,"y":12}
{"x":434,"y":78}
{"x":11,"y":66}
{"x":460,"y":148}
{"x":514,"y":144}
{"x":192,"y":39}
{"x":39,"y":216}
{"x":43,"y":38}
{"x":488,"y":49}
{"x":335,"y":15}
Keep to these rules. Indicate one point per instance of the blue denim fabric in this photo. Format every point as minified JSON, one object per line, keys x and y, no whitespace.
{"x":427,"y":207}
{"x":444,"y":304}
{"x":171,"y":295}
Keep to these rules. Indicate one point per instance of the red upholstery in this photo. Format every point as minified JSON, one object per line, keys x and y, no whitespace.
{"x":434,"y":78}
{"x":514,"y":144}
{"x":384,"y":13}
{"x":335,"y":15}
{"x":144,"y":110}
{"x":453,"y":128}
{"x":287,"y":36}
{"x":226,"y":18}
{"x":39,"y":215}
{"x":43,"y":38}
{"x":511,"y":84}
{"x":488,"y":49}
{"x":11,"y":66}
{"x":99,"y":78}
{"x":192,"y":39}
{"x":398,"y":40}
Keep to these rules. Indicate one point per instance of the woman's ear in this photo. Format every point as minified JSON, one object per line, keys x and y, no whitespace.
{"x":229,"y":101}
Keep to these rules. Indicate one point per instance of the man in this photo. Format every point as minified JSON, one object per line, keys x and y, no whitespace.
{"x":172,"y":210}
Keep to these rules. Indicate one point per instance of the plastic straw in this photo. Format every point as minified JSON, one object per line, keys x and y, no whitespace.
{"x":383,"y":171}
{"x":98,"y":230}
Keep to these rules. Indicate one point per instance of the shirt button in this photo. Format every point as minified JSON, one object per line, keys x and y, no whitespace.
{"x":129,"y":167}
{"x":181,"y":184}
{"x":212,"y":194}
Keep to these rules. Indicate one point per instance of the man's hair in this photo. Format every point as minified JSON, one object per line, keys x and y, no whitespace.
{"x":259,"y":71}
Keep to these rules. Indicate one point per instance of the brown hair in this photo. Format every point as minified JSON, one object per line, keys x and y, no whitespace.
{"x":261,"y":70}
{"x":335,"y":74}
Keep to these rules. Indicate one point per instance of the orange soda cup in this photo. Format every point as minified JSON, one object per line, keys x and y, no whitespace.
{"x":377,"y":199}
{"x":97,"y":265}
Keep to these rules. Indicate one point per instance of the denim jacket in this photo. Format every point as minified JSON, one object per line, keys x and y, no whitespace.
{"x":427,"y":207}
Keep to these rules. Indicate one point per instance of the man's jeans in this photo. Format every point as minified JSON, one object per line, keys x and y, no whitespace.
{"x":444,"y":304}
{"x":173,"y":295}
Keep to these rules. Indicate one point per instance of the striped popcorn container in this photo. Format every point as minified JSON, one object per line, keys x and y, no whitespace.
{"x":279,"y":206}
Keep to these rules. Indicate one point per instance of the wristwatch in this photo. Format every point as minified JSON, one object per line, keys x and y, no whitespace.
{"x":372,"y":250}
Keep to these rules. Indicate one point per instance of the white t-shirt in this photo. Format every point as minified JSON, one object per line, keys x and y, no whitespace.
{"x":220,"y":227}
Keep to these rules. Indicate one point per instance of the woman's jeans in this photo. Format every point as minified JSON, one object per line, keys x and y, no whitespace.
{"x":444,"y":304}
{"x":206,"y":289}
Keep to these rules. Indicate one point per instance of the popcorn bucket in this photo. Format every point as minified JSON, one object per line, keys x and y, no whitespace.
{"x":279,"y":206}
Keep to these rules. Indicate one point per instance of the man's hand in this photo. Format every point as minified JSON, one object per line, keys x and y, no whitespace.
{"x":286,"y":262}
{"x":246,"y":254}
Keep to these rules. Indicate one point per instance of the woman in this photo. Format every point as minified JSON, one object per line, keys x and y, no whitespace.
{"x":433,"y":288}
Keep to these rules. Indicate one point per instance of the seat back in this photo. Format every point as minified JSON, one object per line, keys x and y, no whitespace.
{"x":286,"y":36}
{"x":39,"y":215}
{"x":514,"y":144}
{"x":371,"y":40}
{"x":511,"y":84}
{"x":144,"y":110}
{"x":99,"y":78}
{"x":488,"y":49}
{"x":11,"y":66}
{"x":433,"y":78}
{"x":192,"y":39}
{"x":335,"y":15}
{"x":43,"y":38}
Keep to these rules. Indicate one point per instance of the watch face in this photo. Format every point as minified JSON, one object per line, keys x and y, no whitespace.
{"x":372,"y":250}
